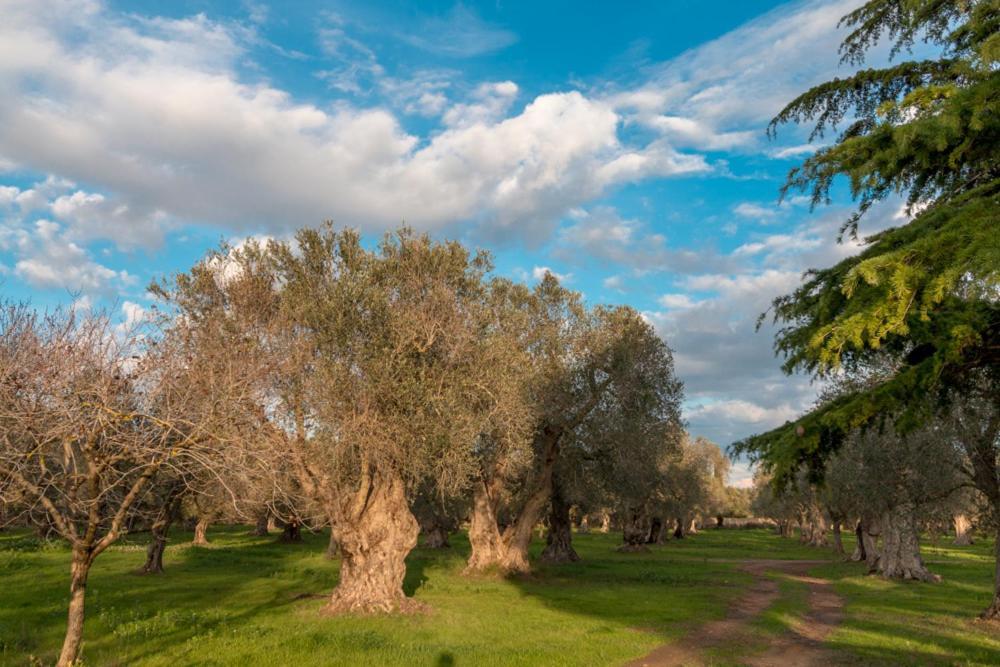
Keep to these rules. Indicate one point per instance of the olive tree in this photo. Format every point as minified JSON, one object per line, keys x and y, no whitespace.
{"x":378,"y":371}
{"x":593,"y":370}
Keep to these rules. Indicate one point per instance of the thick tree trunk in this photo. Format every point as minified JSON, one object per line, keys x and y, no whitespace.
{"x":200,"y":531}
{"x":332,"y":547}
{"x":79,"y":570}
{"x":436,"y":537}
{"x":900,"y":558}
{"x":584,"y":527}
{"x":693,"y":526}
{"x":657,"y":531}
{"x":605,"y":521}
{"x":635,"y":531}
{"x":993,"y":611}
{"x":963,"y":531}
{"x":510,"y":553}
{"x":374,"y":546}
{"x":720,"y":521}
{"x":817,"y":528}
{"x":871,"y":530}
{"x":161,"y":525}
{"x":559,"y":541}
{"x":260,"y":527}
{"x":291,"y":531}
{"x":484,"y":532}
{"x":859,"y":546}
{"x":681,"y":530}
{"x":838,"y":543}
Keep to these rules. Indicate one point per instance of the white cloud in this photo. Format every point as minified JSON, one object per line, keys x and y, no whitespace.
{"x":492,"y":102}
{"x":538,"y":273}
{"x":798,"y":151}
{"x":119,"y":102}
{"x":755,"y":211}
{"x":616,"y":283}
{"x":602,"y":234}
{"x":721,"y":94}
{"x":49,"y":261}
{"x":676,"y":301}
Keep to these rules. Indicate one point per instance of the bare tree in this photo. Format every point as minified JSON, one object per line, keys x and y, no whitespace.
{"x":90,"y":414}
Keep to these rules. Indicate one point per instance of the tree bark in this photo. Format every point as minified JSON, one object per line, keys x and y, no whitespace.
{"x":693,"y":526}
{"x":559,"y":542}
{"x":161,"y":525}
{"x":859,"y":546}
{"x":291,"y":531}
{"x":332,"y":547}
{"x":871,"y":530}
{"x":963,"y":531}
{"x":260,"y":527}
{"x":79,"y":571}
{"x":681,"y":530}
{"x":509,"y":553}
{"x":817,"y":528}
{"x":635,"y":531}
{"x":900,"y":558}
{"x":657,"y":531}
{"x":436,"y":537}
{"x":838,"y":543}
{"x":200,"y":531}
{"x":584,"y":527}
{"x":993,"y":611}
{"x":484,"y":532}
{"x":605,"y":521}
{"x":374,"y":544}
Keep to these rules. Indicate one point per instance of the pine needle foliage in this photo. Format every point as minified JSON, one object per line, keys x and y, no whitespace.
{"x":928,"y":291}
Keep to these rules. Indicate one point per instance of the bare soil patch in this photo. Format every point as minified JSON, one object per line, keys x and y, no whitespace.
{"x":801,"y":646}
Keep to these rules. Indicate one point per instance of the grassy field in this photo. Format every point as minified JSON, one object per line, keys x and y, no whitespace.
{"x":247,"y":600}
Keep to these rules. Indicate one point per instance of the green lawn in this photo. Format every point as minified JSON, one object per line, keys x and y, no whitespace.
{"x":247,"y":600}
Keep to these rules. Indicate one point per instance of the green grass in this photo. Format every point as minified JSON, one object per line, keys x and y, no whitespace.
{"x":247,"y":600}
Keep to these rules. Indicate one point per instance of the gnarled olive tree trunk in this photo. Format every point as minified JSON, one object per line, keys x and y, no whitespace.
{"x":817,"y":528}
{"x":484,"y":532}
{"x":332,"y":547}
{"x":871,"y":530}
{"x":201,"y":531}
{"x":993,"y":611}
{"x":559,"y":541}
{"x":900,"y":557}
{"x":859,"y":545}
{"x":635,"y":530}
{"x":509,"y":551}
{"x":963,"y":531}
{"x":838,"y":542}
{"x":375,"y":536}
{"x":680,"y":531}
{"x":291,"y":531}
{"x":261,"y":523}
{"x":657,"y":531}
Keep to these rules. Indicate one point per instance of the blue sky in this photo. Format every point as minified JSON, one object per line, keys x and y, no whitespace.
{"x":619,"y":145}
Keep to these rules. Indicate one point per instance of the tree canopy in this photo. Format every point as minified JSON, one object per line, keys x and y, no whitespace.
{"x":925,"y":292}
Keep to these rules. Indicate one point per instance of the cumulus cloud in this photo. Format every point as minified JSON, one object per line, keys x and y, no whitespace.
{"x":49,"y":261}
{"x":119,"y":103}
{"x":539,"y":272}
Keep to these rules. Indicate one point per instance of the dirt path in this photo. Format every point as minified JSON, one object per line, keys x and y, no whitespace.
{"x":802,"y":646}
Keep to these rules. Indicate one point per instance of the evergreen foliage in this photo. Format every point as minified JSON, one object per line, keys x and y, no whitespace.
{"x":927,"y":292}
